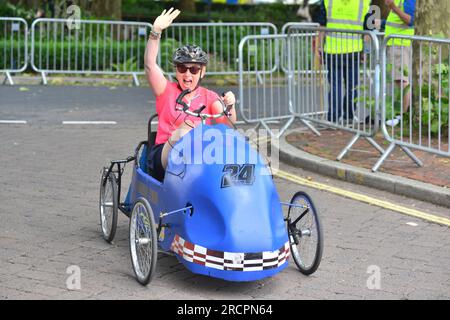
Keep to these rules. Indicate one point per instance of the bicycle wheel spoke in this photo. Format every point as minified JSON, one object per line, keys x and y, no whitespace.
{"x":142,"y":243}
{"x":305,"y":235}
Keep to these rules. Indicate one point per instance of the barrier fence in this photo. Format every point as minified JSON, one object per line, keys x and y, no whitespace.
{"x":313,"y":80}
{"x":296,"y":69}
{"x":416,"y":97}
{"x":88,"y":47}
{"x":296,"y":27}
{"x":290,"y":26}
{"x":13,"y":46}
{"x":322,"y":76}
{"x":263,"y":85}
{"x":333,"y":83}
{"x":112,"y":47}
{"x":305,"y":76}
{"x":220,"y":40}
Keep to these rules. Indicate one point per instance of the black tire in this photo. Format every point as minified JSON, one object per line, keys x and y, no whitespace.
{"x":143,"y":241}
{"x":306,"y":253}
{"x":108,"y":206}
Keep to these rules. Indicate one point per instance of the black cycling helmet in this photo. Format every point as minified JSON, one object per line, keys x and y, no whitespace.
{"x":190,"y":54}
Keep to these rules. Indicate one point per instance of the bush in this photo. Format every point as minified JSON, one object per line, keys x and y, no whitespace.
{"x":223,"y":54}
{"x":92,"y":56}
{"x":148,"y":10}
{"x":11,"y":54}
{"x":9,"y":10}
{"x":431,"y":95}
{"x":117,"y":56}
{"x":435,"y":102}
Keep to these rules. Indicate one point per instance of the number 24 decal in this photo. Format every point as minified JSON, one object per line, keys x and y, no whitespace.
{"x":238,"y":175}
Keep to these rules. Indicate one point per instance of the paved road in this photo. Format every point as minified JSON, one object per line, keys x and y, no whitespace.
{"x":41,"y":105}
{"x":49,"y":182}
{"x":45,"y":105}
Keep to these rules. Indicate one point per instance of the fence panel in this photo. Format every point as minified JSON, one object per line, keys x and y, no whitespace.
{"x":263,"y":84}
{"x":334,"y":82}
{"x":291,"y":28}
{"x":13,"y":46}
{"x":88,"y":47}
{"x":416,"y":95}
{"x":286,"y":29}
{"x":219,"y":40}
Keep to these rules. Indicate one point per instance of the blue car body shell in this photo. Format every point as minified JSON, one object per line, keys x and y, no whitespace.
{"x":235,"y":229}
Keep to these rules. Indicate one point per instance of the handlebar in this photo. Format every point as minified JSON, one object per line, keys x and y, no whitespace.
{"x":197,"y":113}
{"x":181,"y":102}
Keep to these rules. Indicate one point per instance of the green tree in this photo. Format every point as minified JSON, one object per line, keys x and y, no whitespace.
{"x":110,"y":8}
{"x":432,"y":17}
{"x":187,"y":5}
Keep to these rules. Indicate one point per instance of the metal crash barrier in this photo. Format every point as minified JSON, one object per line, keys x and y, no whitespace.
{"x":323,"y":77}
{"x":416,"y":95}
{"x":219,"y":40}
{"x":88,"y":47}
{"x":290,"y":26}
{"x":312,"y":81}
{"x":13,"y":46}
{"x":334,"y":82}
{"x":263,"y":85}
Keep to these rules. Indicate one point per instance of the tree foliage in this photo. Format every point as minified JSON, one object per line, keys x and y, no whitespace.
{"x":187,"y":5}
{"x":432,"y":17}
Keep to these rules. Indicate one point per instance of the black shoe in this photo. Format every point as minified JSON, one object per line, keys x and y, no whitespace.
{"x":370,"y":120}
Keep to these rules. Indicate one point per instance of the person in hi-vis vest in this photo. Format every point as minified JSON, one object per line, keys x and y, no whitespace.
{"x":342,"y":55}
{"x":400,"y":22}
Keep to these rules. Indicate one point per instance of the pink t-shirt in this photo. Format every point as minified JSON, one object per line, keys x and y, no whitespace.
{"x":169,"y":119}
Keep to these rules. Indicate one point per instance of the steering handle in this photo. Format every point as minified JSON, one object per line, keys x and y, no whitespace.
{"x":180,"y":100}
{"x":197,"y":113}
{"x":199,"y":110}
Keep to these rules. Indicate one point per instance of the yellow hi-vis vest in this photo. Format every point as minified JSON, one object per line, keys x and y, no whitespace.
{"x":395,"y":25}
{"x":347,"y":15}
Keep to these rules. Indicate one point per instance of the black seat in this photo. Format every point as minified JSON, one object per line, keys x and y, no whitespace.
{"x":151,"y":139}
{"x":151,"y":135}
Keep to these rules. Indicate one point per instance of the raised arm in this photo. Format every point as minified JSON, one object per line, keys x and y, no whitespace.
{"x":155,"y":76}
{"x":406,"y":18}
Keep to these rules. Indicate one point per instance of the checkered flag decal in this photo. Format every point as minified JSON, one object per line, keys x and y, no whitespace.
{"x":232,"y":261}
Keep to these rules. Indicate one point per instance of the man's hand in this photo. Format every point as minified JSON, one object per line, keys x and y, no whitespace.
{"x":165,"y":19}
{"x":406,"y":18}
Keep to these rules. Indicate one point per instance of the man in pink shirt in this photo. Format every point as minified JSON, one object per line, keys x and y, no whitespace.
{"x":190,"y":63}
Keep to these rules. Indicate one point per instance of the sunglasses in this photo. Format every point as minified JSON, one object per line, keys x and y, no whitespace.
{"x":181,"y":68}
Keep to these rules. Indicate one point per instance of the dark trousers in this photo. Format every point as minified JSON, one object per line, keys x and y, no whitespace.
{"x":343,"y":73}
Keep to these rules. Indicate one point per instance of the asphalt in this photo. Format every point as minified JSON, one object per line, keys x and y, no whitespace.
{"x":49,"y":215}
{"x":398,"y":175}
{"x":300,"y":148}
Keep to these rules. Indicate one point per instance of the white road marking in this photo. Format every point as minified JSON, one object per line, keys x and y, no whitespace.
{"x":412,"y":224}
{"x":13,"y":121}
{"x":364,"y":198}
{"x":89,"y":122}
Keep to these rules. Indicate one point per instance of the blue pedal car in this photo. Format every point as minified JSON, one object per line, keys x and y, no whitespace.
{"x":220,"y":218}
